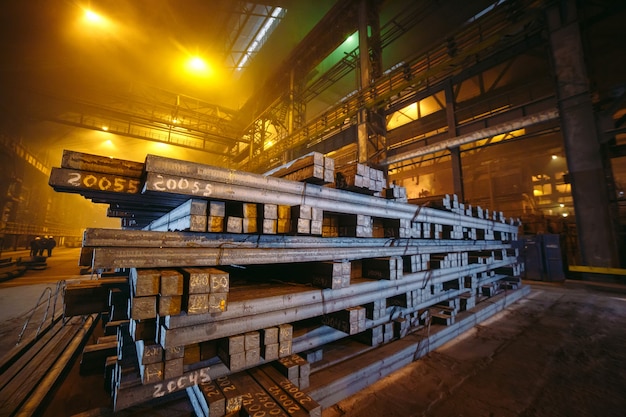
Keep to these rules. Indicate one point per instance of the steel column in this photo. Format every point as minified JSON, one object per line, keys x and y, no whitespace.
{"x":457,"y":173}
{"x":364,"y":74}
{"x":596,"y":235}
{"x":455,"y":152}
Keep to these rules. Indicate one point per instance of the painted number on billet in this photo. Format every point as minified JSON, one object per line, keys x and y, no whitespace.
{"x":295,"y":392}
{"x":197,"y":377}
{"x":260,"y":405}
{"x":198,"y":281}
{"x":285,"y":400}
{"x":103,"y":182}
{"x":202,"y":188}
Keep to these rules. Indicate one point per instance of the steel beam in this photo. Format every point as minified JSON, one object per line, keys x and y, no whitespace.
{"x":520,"y":123}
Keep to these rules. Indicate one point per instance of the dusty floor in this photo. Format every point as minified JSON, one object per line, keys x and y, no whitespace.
{"x":561,"y":351}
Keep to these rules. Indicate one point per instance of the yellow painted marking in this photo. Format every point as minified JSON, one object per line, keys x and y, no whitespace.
{"x":597,"y":270}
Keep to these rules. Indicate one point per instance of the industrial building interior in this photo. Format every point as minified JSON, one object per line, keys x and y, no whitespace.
{"x":516,"y":106}
{"x":436,"y":71}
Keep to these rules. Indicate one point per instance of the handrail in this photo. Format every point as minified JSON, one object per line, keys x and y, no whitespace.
{"x":16,"y":228}
{"x":49,"y":290}
{"x":59,"y":287}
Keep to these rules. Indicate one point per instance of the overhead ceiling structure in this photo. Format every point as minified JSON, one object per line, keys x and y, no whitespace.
{"x":157,"y":70}
{"x":127,"y":69}
{"x":253,"y":84}
{"x":124,"y":67}
{"x":252,"y":26}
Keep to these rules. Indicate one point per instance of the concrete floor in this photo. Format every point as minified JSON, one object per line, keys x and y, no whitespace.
{"x":558,"y":352}
{"x":561,"y":351}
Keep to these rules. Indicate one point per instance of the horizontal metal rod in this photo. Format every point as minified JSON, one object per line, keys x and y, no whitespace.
{"x":303,"y":191}
{"x":169,"y":180}
{"x":183,"y":213}
{"x":328,"y":302}
{"x":131,"y":257}
{"x":242,"y":303}
{"x":94,"y":237}
{"x":313,"y":195}
{"x":102,"y":164}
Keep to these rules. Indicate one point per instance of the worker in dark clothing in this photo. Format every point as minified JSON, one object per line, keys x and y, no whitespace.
{"x":35,"y":246}
{"x":41,"y":245}
{"x":50,"y":243}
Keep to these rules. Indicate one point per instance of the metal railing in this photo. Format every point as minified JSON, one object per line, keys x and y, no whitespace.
{"x":51,"y":303}
{"x":18,"y":228}
{"x":493,"y":33}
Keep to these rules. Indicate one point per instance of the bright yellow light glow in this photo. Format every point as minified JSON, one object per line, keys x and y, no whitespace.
{"x":554,"y":157}
{"x":108,"y":144}
{"x":268,"y":144}
{"x":94,"y":24}
{"x":564,"y":214}
{"x":564,"y":188}
{"x":413,"y":111}
{"x":197,"y":65}
{"x":93,"y":17}
{"x":402,"y":117}
{"x":105,"y":128}
{"x":561,"y":205}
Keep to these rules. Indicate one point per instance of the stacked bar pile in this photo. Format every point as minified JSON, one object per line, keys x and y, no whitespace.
{"x":294,"y":268}
{"x":360,"y":178}
{"x":313,"y":167}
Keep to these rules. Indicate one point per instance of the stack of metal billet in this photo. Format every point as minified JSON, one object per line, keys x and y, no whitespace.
{"x":302,"y":268}
{"x":360,"y":178}
{"x":314,"y":168}
{"x":396,"y":193}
